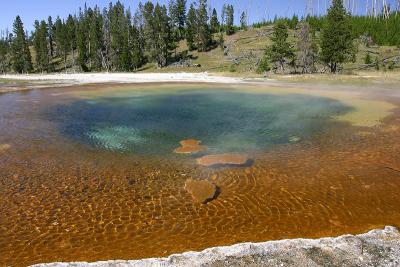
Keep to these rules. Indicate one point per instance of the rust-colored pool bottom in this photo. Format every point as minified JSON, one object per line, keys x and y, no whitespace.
{"x":82,"y":205}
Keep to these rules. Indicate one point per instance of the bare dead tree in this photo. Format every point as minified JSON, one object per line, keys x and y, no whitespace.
{"x":307,"y":48}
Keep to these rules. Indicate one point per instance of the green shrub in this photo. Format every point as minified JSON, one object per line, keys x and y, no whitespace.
{"x":377,"y":67}
{"x":264,"y":65}
{"x":368,"y":59}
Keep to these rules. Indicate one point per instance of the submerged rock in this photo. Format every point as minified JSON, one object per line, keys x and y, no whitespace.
{"x":4,"y":147}
{"x":294,"y":139}
{"x":376,"y":248}
{"x":223,"y":160}
{"x":190,"y":146}
{"x":190,"y":142}
{"x":201,"y":191}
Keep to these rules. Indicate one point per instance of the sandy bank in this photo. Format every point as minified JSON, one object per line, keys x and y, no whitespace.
{"x":376,"y":248}
{"x":86,"y":78}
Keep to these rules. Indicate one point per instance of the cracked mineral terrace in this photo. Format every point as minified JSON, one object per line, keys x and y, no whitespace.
{"x":376,"y":248}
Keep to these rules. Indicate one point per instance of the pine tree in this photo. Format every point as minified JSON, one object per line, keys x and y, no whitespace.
{"x":50,"y":29}
{"x":126,"y":59}
{"x":4,"y":52}
{"x":71,"y":35}
{"x":40,"y":44}
{"x":95,"y":42}
{"x":281,"y":51}
{"x":337,"y":41}
{"x":21,"y":55}
{"x":163,"y":41}
{"x":36,"y":43}
{"x":62,"y":41}
{"x":243,"y":21}
{"x":191,"y":28}
{"x":214,"y":23}
{"x":178,"y":17}
{"x":81,"y":44}
{"x":150,"y":35}
{"x":138,"y":41}
{"x":136,"y":48}
{"x":292,"y":23}
{"x":223,"y":16}
{"x":119,"y":29}
{"x":230,"y":20}
{"x":203,"y":29}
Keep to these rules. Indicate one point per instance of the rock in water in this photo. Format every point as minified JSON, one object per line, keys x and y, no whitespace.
{"x":223,"y":159}
{"x":201,"y":191}
{"x":4,"y":147}
{"x":294,"y":139}
{"x":190,"y":142}
{"x":190,"y":146}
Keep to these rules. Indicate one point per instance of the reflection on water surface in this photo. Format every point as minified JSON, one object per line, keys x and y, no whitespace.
{"x":91,"y":174}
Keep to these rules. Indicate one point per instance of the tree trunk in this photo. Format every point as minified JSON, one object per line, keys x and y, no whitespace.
{"x":73,"y":58}
{"x":65,"y":62}
{"x":281,"y":63}
{"x":333,"y":67}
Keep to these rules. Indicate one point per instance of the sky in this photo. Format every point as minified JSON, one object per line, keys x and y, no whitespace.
{"x":29,"y":10}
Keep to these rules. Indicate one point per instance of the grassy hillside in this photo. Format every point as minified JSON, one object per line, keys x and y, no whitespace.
{"x":245,"y":48}
{"x":243,"y":51}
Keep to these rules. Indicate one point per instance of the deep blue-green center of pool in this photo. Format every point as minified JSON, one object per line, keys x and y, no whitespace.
{"x":141,"y":121}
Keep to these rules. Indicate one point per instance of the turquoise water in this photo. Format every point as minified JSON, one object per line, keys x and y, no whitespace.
{"x":142,"y":121}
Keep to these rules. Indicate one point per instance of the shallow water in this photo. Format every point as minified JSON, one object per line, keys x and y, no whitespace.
{"x":89,"y":173}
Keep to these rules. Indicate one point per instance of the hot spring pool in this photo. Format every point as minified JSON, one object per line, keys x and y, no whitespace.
{"x":226,"y":120}
{"x":89,"y":173}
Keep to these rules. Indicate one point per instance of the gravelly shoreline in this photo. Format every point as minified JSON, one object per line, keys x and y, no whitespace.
{"x":375,"y":248}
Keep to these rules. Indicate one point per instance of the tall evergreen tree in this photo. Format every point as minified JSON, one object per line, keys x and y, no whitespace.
{"x":223,"y":16}
{"x":61,"y":39}
{"x":4,"y":52}
{"x":230,"y":14}
{"x":243,"y":20}
{"x":177,"y":10}
{"x":136,"y":48}
{"x":21,"y":55}
{"x":95,"y":42}
{"x":214,"y":23}
{"x":50,"y":29}
{"x":40,"y":44}
{"x":150,"y":34}
{"x":203,"y":29}
{"x":119,"y":29}
{"x":81,"y":40}
{"x":164,"y":40}
{"x":337,"y":41}
{"x":191,"y":28}
{"x":36,"y":42}
{"x":71,"y":35}
{"x":281,"y":51}
{"x":138,"y":41}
